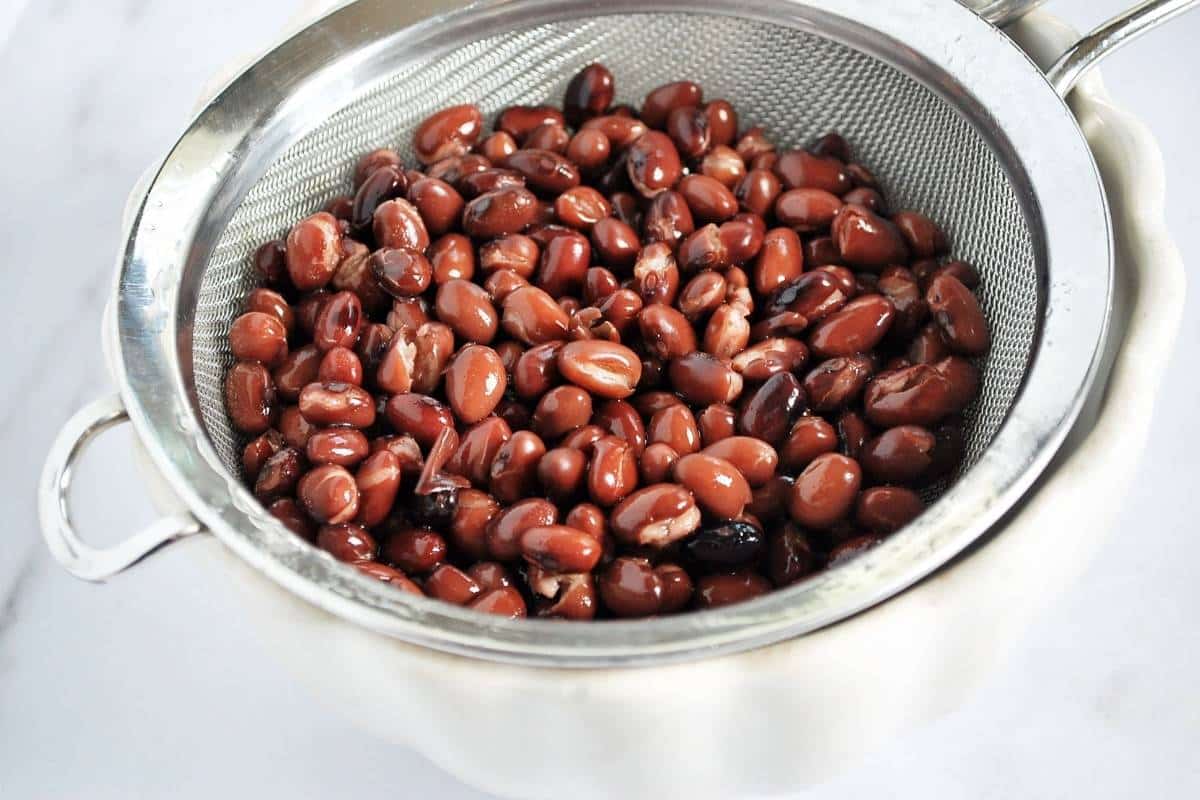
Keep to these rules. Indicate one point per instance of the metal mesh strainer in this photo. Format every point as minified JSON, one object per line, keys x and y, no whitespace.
{"x":929,"y":155}
{"x":951,"y":115}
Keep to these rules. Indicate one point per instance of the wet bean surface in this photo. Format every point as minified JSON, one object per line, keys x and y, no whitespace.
{"x":613,"y":360}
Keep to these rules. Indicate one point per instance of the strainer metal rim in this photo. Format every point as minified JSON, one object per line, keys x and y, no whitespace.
{"x":282,"y":95}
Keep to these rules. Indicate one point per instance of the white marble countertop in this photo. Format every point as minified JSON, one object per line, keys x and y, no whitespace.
{"x":154,"y":685}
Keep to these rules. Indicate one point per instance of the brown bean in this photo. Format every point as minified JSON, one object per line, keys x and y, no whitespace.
{"x":884,"y":509}
{"x":665,"y":331}
{"x":452,"y":256}
{"x":808,"y":438}
{"x":589,"y":94}
{"x":583,"y":438}
{"x":513,"y":473}
{"x":295,"y":428}
{"x":714,"y":591}
{"x":657,"y":463}
{"x":468,"y":527}
{"x":532,"y":316}
{"x":536,"y":371}
{"x":450,"y":584}
{"x":725,"y":166}
{"x":757,"y":191}
{"x":865,"y":239}
{"x":769,"y":357}
{"x":258,"y":336}
{"x":655,"y":516}
{"x":589,"y":149}
{"x":916,"y":395}
{"x":504,"y":602}
{"x":853,"y":432}
{"x":581,"y":207}
{"x":629,"y":587}
{"x":668,"y":219}
{"x":499,"y":146}
{"x":925,"y":239}
{"x":807,"y":210}
{"x":653,"y":164}
{"x":675,"y":426}
{"x":499,"y":213}
{"x":329,"y":494}
{"x":814,"y":295}
{"x":398,"y":224}
{"x":957,"y":312}
{"x":716,"y":422}
{"x":837,"y":382}
{"x":389,"y":575}
{"x":249,"y":396}
{"x":605,"y":369}
{"x":418,"y":416}
{"x":702,"y":295}
{"x":767,"y":414}
{"x":382,"y":157}
{"x":800,"y":169}
{"x":789,"y":557}
{"x":475,"y":382}
{"x":258,"y":450}
{"x":850,"y":549}
{"x":520,"y":121}
{"x":825,"y":491}
{"x":660,"y":102}
{"x":677,"y":588}
{"x":346,"y":542}
{"x":338,"y":322}
{"x":591,"y":519}
{"x":702,"y":379}
{"x":599,"y":284}
{"x":397,"y":366}
{"x":450,"y":132}
{"x":899,"y":455}
{"x":717,"y":485}
{"x":613,"y":471}
{"x":279,"y":475}
{"x":709,"y":199}
{"x":755,"y":459}
{"x":415,"y":550}
{"x":620,"y":131}
{"x":615,"y":242}
{"x":559,"y":548}
{"x":928,"y":269}
{"x":545,"y":170}
{"x":504,"y":532}
{"x":380,"y":186}
{"x":433,"y":344}
{"x":378,"y":481}
{"x":623,"y":421}
{"x":688,"y":128}
{"x":780,"y":261}
{"x":468,"y":310}
{"x":313,"y":251}
{"x":564,"y":262}
{"x":549,"y":136}
{"x":477,"y":450}
{"x":514,"y":252}
{"x":562,"y":410}
{"x":288,"y":511}
{"x":268,"y":301}
{"x":562,"y":472}
{"x":340,"y":365}
{"x":342,"y":446}
{"x":858,"y":327}
{"x":963,"y":378}
{"x":334,"y":404}
{"x":407,"y":315}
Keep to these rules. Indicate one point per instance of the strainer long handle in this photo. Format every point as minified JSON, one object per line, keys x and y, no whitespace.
{"x":1110,"y":37}
{"x":76,"y":556}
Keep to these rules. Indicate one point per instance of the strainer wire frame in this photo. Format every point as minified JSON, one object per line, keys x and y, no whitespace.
{"x":286,"y":93}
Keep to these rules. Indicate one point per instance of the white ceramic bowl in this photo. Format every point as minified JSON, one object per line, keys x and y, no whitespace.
{"x":791,"y":714}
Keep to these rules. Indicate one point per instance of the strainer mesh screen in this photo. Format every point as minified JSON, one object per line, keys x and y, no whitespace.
{"x":796,"y":85}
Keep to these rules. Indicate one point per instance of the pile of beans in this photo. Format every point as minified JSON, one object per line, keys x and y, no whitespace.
{"x":604,"y":362}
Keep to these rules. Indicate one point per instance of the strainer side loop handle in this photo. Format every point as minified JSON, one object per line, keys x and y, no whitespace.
{"x":76,"y":556}
{"x":1110,"y":37}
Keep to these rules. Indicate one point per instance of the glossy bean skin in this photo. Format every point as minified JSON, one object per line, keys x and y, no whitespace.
{"x":755,"y":459}
{"x":657,"y":463}
{"x":622,"y":420}
{"x":837,"y":382}
{"x":279,"y":474}
{"x":449,"y":132}
{"x":809,"y":437}
{"x":475,"y":383}
{"x":653,"y":164}
{"x":925,"y":239}
{"x":347,"y":542}
{"x":807,"y":210}
{"x":717,"y":485}
{"x":562,"y":410}
{"x":415,"y":550}
{"x":468,"y":310}
{"x":916,"y":395}
{"x":856,"y":328}
{"x":767,"y":414}
{"x":259,"y":336}
{"x":289,"y":512}
{"x":398,"y":224}
{"x":342,"y":446}
{"x":329,"y":494}
{"x":452,"y":585}
{"x":418,"y":416}
{"x":530,"y":315}
{"x":958,"y":314}
{"x":603,"y":368}
{"x":562,"y":472}
{"x":249,"y":397}
{"x":378,"y":481}
{"x":333,"y":404}
{"x":499,"y":213}
{"x":560,"y":548}
{"x":702,"y":379}
{"x":503,"y":602}
{"x":589,"y":94}
{"x":865,"y":239}
{"x":612,"y":472}
{"x":885,"y":509}
{"x":825,"y":492}
{"x":313,"y":251}
{"x":505,"y":531}
{"x":675,"y":426}
{"x":513,"y":473}
{"x":800,"y":169}
{"x":899,"y":455}
{"x":655,"y":516}
{"x":631,"y":588}
{"x":666,"y":331}
{"x":715,"y":591}
{"x":545,"y":170}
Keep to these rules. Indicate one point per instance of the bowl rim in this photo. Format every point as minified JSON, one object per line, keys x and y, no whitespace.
{"x":189,"y":200}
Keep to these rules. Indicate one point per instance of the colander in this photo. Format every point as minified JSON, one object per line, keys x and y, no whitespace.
{"x":944,"y":107}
